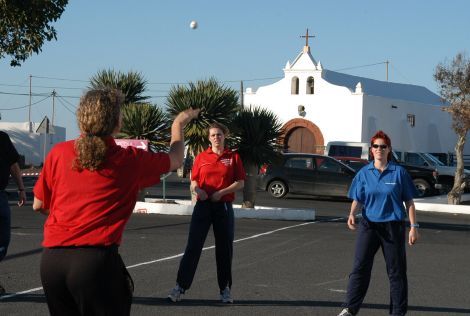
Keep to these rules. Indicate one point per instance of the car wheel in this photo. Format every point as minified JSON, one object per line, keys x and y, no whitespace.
{"x":422,"y":186}
{"x":277,"y":189}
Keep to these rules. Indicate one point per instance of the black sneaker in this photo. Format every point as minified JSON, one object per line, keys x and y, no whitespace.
{"x":2,"y":290}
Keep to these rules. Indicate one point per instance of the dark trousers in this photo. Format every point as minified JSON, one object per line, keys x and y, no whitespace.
{"x":390,"y":236}
{"x":5,"y":218}
{"x":220,"y":215}
{"x":86,"y":281}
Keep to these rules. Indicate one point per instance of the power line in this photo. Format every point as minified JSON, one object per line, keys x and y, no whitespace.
{"x":25,"y":106}
{"x":362,"y":66}
{"x":45,"y":87}
{"x":60,"y":96}
{"x":60,"y":79}
{"x":25,"y":94}
{"x":65,"y":106}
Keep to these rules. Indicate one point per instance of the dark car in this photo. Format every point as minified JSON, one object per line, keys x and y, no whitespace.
{"x":311,"y":174}
{"x":424,"y":178}
{"x":353,"y":162}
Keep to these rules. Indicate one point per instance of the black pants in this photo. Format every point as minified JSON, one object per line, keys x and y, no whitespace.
{"x":390,"y":236}
{"x":5,"y":218}
{"x":220,"y":215}
{"x":86,"y":281}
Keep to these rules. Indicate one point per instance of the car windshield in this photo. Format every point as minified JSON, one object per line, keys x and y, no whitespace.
{"x":433,"y":160}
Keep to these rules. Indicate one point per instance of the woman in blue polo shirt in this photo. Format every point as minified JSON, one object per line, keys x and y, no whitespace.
{"x":379,"y":190}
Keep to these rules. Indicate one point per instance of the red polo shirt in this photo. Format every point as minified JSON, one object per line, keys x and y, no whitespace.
{"x":213,"y":172}
{"x":91,"y":208}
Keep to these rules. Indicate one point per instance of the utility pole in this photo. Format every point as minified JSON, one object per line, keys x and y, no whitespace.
{"x":241,"y":94}
{"x":53,"y":105}
{"x":30,"y":97}
{"x":386,"y":63}
{"x":53,"y":112}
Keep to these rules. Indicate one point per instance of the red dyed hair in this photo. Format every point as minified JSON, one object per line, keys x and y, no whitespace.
{"x":381,"y":135}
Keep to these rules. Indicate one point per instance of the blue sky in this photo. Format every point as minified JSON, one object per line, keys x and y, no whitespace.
{"x":236,"y":40}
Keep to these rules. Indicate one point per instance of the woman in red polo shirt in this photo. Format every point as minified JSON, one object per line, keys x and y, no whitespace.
{"x":88,"y":187}
{"x":217,"y":173}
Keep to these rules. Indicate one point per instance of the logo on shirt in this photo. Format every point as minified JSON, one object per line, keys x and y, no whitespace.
{"x":391,"y":183}
{"x":226,"y":161}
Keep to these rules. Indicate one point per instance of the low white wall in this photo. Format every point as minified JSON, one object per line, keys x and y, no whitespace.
{"x":184,"y":207}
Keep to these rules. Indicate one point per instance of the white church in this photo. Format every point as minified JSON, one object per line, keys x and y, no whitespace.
{"x":317,"y":106}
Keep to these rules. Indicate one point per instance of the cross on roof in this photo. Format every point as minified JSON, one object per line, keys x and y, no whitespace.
{"x":306,"y":37}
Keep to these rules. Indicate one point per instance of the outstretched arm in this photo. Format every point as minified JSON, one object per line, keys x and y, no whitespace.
{"x":177,"y":137}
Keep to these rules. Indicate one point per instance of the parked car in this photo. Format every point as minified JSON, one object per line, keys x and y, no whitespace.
{"x":353,"y":162}
{"x":310,"y":174}
{"x":424,"y":178}
{"x":446,"y":173}
{"x":347,"y":149}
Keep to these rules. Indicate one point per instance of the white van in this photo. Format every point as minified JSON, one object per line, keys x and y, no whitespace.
{"x":347,"y":149}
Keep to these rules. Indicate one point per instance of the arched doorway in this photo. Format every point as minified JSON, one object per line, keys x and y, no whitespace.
{"x":300,"y":140}
{"x":303,"y":136}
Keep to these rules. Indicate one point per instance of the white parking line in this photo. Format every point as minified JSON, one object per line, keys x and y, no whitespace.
{"x":180,"y":254}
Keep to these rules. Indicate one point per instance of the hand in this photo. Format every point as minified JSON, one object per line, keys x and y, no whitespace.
{"x":186,"y":116}
{"x":352,"y":222}
{"x":413,"y":236}
{"x":201,"y":194}
{"x":22,"y":198}
{"x":216,"y":196}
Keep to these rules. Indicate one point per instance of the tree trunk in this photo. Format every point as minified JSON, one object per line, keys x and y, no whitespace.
{"x":454,"y":196}
{"x":249,"y":190}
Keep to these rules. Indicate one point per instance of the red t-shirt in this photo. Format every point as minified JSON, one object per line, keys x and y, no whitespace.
{"x":213,"y":172}
{"x":91,"y":208}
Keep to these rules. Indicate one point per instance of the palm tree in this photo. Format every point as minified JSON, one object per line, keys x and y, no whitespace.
{"x":132,"y":84}
{"x":146,"y":121}
{"x":257,"y":135}
{"x":217,"y":103}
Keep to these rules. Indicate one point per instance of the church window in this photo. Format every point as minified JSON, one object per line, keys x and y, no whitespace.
{"x":295,"y":86}
{"x":310,"y":85}
{"x":411,"y":119}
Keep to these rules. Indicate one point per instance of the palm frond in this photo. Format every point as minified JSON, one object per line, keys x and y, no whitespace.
{"x":217,"y":103}
{"x":256,"y":134}
{"x":132,"y":84}
{"x":146,"y":121}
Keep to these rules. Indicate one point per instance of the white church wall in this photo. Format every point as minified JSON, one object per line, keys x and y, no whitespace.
{"x":31,"y":145}
{"x":432,"y":131}
{"x":334,"y":109}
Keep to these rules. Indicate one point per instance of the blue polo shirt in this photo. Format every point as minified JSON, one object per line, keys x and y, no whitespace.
{"x":382,"y":194}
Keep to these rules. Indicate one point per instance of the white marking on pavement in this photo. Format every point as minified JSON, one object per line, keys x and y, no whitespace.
{"x":20,"y":293}
{"x":180,"y":254}
{"x":213,"y":246}
{"x":339,"y":291}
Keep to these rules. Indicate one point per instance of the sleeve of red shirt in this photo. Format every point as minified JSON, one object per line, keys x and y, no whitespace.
{"x":239,"y":173}
{"x":152,"y":166}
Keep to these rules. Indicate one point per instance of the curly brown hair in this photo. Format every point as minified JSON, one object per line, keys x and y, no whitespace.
{"x":98,"y":116}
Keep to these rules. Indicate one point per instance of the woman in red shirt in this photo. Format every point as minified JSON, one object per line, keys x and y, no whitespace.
{"x":88,"y":188}
{"x":217,"y":173}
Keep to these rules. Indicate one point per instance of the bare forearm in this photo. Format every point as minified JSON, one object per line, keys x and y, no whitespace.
{"x":237,"y":185}
{"x":38,"y":206}
{"x":411,"y":209}
{"x":176,"y":145}
{"x":16,"y":173}
{"x":355,"y":208}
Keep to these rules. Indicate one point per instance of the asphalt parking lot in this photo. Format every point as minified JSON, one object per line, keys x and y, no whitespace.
{"x":279,"y":268}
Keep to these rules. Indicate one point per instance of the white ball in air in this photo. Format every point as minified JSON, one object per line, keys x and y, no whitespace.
{"x":193,"y":25}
